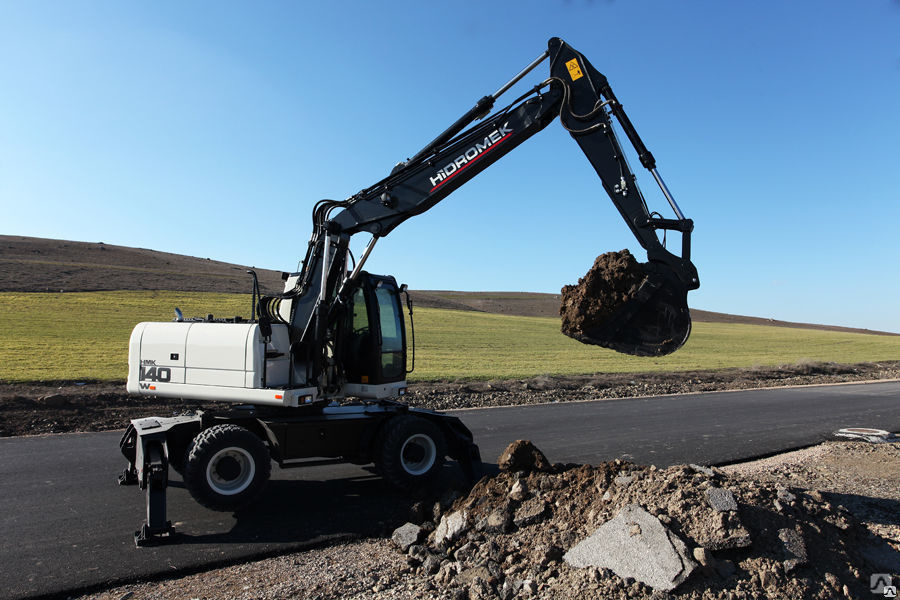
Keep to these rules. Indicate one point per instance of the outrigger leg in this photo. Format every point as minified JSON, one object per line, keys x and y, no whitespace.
{"x":148,"y":467}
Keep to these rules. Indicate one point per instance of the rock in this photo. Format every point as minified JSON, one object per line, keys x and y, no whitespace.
{"x":53,"y":400}
{"x":466,"y":576}
{"x":720,"y":499}
{"x":509,"y":590}
{"x":794,"y":549}
{"x":720,"y":531}
{"x":459,"y":594}
{"x":623,"y":480}
{"x":518,"y":491}
{"x":465,"y":552}
{"x":785,"y":495}
{"x":655,"y":556}
{"x":701,"y":469}
{"x":548,"y":554}
{"x":491,"y":551}
{"x":522,"y":455}
{"x":406,"y":535}
{"x":530,"y":512}
{"x":431,"y":564}
{"x":450,"y":527}
{"x":499,"y":521}
{"x":446,"y":573}
{"x":479,"y":589}
{"x":704,"y":557}
{"x":418,"y":551}
{"x":768,"y":579}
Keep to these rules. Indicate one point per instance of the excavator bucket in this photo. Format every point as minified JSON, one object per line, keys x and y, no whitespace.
{"x":634,"y":308}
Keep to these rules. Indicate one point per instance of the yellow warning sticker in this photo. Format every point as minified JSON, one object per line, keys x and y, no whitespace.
{"x":574,"y":70}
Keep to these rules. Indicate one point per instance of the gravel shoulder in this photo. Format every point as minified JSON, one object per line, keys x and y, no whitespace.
{"x":67,"y":406}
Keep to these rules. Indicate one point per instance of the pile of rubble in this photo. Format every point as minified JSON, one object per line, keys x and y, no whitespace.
{"x":618,"y":530}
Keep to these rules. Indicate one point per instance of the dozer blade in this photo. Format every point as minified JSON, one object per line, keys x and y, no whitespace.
{"x":655,"y":322}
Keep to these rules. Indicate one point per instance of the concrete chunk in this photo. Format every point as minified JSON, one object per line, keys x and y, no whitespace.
{"x":720,"y":499}
{"x":635,"y":544}
{"x":794,"y":549}
{"x":451,"y":527}
{"x":530,"y":512}
{"x":406,"y":535}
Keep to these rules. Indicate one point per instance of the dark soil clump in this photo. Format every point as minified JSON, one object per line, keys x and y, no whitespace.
{"x":522,"y":455}
{"x":612,"y":281}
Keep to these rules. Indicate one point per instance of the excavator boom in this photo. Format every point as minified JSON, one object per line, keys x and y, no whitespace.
{"x":655,"y":320}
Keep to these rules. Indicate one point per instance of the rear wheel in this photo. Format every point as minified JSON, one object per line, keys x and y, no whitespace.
{"x":226,"y":468}
{"x":411,"y":452}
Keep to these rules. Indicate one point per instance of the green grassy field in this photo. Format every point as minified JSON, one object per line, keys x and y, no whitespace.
{"x":85,"y":336}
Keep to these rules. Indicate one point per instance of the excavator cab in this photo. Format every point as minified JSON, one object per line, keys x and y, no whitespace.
{"x":372,"y":336}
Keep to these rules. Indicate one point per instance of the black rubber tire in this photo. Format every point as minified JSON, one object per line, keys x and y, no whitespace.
{"x":227,"y":467}
{"x":411,"y":451}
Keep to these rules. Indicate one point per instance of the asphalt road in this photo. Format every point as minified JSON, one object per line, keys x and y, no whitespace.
{"x":67,"y":526}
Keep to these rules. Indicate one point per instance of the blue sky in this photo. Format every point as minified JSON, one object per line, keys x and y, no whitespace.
{"x":210,"y":129}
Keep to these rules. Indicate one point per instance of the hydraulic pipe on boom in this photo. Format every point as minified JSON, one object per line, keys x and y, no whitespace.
{"x":481,"y":108}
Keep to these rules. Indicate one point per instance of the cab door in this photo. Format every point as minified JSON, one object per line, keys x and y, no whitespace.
{"x":392,"y":330}
{"x":374,"y":348}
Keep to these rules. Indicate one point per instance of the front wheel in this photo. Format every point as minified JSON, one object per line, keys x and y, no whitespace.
{"x":411,"y":452}
{"x":226,"y":468}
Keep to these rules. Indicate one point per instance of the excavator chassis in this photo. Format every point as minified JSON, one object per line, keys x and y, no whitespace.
{"x":316,"y":436}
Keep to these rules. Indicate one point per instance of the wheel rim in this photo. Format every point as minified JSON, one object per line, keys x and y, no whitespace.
{"x":418,"y":454}
{"x":230,"y":471}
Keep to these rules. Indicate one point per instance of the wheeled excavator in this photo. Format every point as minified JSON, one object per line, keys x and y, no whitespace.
{"x":318,"y":372}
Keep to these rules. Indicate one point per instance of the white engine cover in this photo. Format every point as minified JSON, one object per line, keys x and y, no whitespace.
{"x":212,"y":361}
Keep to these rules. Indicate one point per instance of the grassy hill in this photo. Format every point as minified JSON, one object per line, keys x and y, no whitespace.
{"x":67,"y":309}
{"x":30,"y":264}
{"x":84,"y":335}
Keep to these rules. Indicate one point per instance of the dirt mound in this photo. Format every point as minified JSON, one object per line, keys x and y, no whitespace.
{"x":612,"y":281}
{"x":522,"y":455}
{"x":521,"y":534}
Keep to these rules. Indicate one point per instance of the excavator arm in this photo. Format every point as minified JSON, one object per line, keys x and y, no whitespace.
{"x":655,"y":322}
